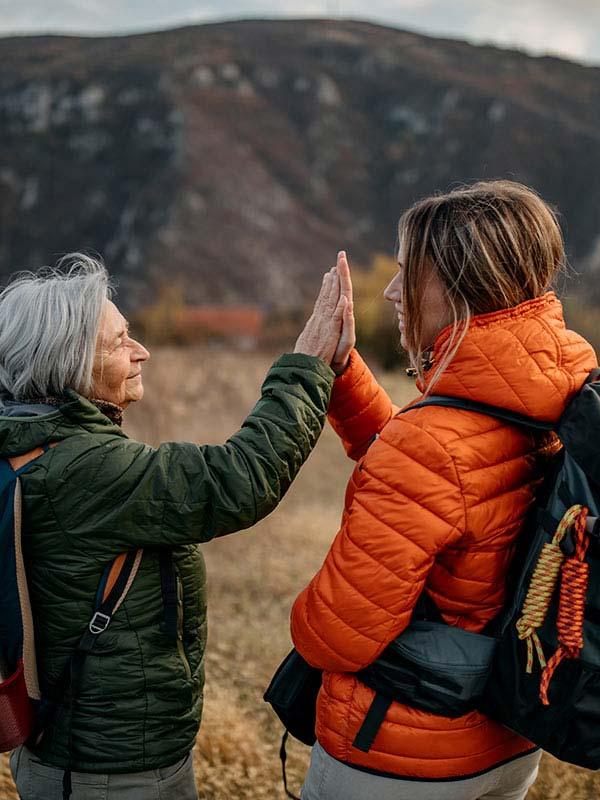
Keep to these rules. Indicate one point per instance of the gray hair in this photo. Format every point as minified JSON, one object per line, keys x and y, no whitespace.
{"x":49,"y":323}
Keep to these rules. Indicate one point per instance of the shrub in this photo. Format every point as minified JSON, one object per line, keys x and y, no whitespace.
{"x":376,"y":324}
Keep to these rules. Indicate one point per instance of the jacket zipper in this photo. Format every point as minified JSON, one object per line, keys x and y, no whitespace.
{"x":180,"y":647}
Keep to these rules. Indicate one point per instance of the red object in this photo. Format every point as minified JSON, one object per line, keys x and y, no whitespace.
{"x":228,"y":321}
{"x":571,"y":608}
{"x":16,"y":711}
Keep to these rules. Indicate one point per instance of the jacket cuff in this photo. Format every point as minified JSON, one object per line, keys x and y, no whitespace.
{"x":349,"y":377}
{"x":304,"y":361}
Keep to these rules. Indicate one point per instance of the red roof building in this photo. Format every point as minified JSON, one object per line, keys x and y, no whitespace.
{"x":236,"y":322}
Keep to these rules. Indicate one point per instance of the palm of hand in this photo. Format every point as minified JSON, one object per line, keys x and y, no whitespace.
{"x":329,"y":333}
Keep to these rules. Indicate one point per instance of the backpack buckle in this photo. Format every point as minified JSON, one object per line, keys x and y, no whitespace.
{"x":99,"y":623}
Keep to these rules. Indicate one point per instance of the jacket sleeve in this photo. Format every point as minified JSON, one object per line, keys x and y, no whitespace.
{"x":404,"y":505}
{"x":359,"y":407}
{"x":133,"y":495}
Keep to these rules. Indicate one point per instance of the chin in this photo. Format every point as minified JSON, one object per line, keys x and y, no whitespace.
{"x":136,"y":397}
{"x":132,"y":398}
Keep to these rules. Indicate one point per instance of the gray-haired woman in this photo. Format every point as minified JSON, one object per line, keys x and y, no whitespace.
{"x":68,"y":369}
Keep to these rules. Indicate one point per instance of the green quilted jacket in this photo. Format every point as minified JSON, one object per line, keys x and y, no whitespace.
{"x":99,"y":493}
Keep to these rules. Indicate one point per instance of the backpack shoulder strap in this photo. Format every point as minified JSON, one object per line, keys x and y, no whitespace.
{"x":19,"y":464}
{"x":117,"y":579}
{"x":114,"y":586}
{"x":594,"y":376}
{"x":168,"y":586}
{"x":482,"y":408}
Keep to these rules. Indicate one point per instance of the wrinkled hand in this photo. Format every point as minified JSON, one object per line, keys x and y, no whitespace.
{"x":322,"y":332}
{"x":348,"y":336}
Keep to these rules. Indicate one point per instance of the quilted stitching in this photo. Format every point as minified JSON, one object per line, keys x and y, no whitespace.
{"x":460,"y":485}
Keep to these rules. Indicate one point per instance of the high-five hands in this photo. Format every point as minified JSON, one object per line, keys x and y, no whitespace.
{"x":329,"y":333}
{"x":321,"y":333}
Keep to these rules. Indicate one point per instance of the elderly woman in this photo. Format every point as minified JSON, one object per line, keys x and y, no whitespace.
{"x":127,"y":716}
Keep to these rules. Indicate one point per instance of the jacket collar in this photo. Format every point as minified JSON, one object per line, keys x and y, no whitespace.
{"x":19,"y":434}
{"x":523,"y":359}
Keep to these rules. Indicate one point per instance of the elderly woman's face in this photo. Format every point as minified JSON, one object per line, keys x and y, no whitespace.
{"x":117,"y":373}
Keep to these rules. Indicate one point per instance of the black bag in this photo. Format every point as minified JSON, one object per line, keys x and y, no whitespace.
{"x":432,"y":666}
{"x":293,"y":694}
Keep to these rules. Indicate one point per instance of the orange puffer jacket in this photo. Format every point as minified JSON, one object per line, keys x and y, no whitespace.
{"x":436,"y":501}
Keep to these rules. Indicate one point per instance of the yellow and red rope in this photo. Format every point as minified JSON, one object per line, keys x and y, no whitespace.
{"x":573,"y":589}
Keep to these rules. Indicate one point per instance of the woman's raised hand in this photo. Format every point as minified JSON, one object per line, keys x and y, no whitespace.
{"x":348,"y":336}
{"x":321,"y":333}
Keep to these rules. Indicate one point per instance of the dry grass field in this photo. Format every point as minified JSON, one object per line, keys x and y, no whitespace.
{"x":203,"y":394}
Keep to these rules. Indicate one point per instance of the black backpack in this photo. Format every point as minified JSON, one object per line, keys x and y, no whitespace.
{"x":536,"y":667}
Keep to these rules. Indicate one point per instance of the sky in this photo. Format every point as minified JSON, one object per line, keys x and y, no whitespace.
{"x":569,"y":28}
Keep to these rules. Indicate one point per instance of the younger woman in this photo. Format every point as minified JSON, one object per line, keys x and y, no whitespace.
{"x":439,"y":495}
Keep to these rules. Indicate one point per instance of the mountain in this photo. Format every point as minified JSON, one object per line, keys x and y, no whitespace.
{"x":237,"y":158}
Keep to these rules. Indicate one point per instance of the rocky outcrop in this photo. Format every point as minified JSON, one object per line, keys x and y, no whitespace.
{"x":236,"y":158}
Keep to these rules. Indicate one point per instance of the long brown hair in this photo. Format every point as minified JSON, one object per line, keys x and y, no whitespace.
{"x":493,"y":245}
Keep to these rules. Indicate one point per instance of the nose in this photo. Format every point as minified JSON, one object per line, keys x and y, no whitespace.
{"x":139,"y":352}
{"x":393,"y":291}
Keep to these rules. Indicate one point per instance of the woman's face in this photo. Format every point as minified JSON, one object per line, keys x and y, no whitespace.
{"x":117,"y":371}
{"x":435,"y":312}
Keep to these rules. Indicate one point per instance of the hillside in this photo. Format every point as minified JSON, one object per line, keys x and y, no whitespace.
{"x":237,"y":158}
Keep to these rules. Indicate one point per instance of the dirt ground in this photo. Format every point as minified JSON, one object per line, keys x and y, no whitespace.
{"x":202,"y":395}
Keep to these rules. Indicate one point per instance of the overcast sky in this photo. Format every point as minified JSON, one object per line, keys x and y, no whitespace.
{"x":566,"y":27}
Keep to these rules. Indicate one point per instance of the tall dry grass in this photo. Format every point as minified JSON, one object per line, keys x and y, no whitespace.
{"x":203,"y":394}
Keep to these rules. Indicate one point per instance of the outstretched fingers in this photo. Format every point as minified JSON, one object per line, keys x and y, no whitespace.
{"x":343,"y":270}
{"x":329,"y":294}
{"x":322,"y":332}
{"x":334,"y":290}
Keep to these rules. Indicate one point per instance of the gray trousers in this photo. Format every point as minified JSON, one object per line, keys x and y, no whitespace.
{"x":329,"y":779}
{"x":37,"y":781}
